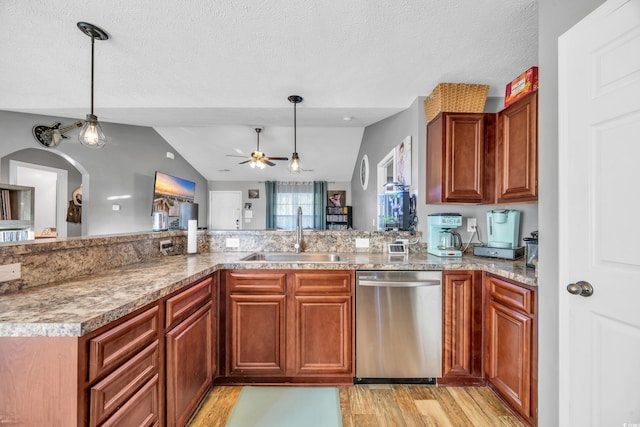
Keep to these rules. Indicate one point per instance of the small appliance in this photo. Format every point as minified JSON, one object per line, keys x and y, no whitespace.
{"x":443,"y":241}
{"x":160,"y":221}
{"x":503,"y":229}
{"x":531,"y":249}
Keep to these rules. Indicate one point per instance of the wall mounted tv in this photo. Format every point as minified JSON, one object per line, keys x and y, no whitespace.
{"x":169,"y":191}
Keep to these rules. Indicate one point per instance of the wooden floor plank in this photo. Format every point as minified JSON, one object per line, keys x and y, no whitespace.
{"x":433,"y":414}
{"x":407,"y":405}
{"x":361,"y":400}
{"x":471,"y":408}
{"x":451,"y":407}
{"x":387,"y":409}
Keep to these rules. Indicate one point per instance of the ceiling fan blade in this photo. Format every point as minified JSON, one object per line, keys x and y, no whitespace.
{"x":278,"y":158}
{"x":265,"y":160}
{"x":235,"y":155}
{"x":246,"y":161}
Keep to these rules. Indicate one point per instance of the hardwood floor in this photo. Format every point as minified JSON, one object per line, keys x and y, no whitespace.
{"x":388,"y":405}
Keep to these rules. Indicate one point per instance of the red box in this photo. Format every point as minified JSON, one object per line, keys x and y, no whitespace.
{"x":526,"y":83}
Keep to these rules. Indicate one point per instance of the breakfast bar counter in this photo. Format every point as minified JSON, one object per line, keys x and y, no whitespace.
{"x":81,"y":305}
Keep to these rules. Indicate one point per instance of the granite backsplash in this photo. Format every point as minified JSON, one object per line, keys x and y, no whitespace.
{"x":53,"y":260}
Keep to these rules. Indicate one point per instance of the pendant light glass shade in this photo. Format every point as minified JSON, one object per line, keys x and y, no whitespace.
{"x":294,"y":164}
{"x":91,"y":134}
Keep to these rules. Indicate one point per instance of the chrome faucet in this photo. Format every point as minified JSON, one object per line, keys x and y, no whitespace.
{"x":298,"y":244}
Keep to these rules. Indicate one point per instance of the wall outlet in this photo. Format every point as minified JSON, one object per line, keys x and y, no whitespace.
{"x":165,"y":244}
{"x":403,"y":241}
{"x":362,"y":243}
{"x":232,"y":243}
{"x":472,"y":223}
{"x":10,"y":272}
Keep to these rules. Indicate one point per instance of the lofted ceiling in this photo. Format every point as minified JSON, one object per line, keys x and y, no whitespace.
{"x":205,"y":73}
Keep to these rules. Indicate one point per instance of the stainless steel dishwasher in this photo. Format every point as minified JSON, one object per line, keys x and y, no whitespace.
{"x":398,"y":326}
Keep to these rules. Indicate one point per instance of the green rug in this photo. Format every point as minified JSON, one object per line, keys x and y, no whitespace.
{"x":287,"y":407}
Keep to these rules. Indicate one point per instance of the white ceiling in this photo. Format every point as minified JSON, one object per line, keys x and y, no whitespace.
{"x":204,"y":73}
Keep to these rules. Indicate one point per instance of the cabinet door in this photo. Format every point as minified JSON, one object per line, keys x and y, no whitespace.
{"x":256,"y":335}
{"x":323,"y":343}
{"x":509,"y":355}
{"x":517,"y":152}
{"x":462,"y":312}
{"x":455,"y":164}
{"x":189,"y":364}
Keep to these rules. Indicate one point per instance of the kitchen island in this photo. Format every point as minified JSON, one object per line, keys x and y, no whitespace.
{"x":138,"y":342}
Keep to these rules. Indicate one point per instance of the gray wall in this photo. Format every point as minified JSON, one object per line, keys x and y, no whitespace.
{"x":381,"y":137}
{"x":554,"y":18}
{"x":126,"y":166}
{"x":259,"y":205}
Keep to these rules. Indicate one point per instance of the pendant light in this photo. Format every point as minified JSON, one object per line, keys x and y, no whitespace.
{"x":294,"y":165}
{"x":91,"y":134}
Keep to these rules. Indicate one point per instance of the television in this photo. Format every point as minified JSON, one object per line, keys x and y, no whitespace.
{"x":170,"y":191}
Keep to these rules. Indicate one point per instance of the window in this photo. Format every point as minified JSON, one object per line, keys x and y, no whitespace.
{"x":284,"y":198}
{"x":290,"y":195}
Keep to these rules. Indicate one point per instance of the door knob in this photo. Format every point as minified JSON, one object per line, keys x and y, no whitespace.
{"x":580,"y":288}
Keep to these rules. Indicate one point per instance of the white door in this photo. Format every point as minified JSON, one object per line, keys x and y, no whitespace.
{"x":225,"y":209}
{"x":599,"y":182}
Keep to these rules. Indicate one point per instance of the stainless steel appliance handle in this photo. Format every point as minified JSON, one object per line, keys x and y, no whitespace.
{"x":400,"y":283}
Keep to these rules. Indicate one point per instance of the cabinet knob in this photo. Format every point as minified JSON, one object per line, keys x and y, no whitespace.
{"x":581,"y":288}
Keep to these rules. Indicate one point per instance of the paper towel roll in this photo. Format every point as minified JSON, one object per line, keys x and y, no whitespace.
{"x":192,"y":236}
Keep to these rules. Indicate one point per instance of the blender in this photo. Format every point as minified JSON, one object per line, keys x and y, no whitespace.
{"x":443,"y":241}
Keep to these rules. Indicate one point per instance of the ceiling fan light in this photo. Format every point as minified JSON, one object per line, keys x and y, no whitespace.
{"x":91,"y":134}
{"x":294,"y":165}
{"x":261,"y":165}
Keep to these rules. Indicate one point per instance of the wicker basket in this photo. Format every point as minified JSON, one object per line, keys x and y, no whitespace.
{"x":456,"y":98}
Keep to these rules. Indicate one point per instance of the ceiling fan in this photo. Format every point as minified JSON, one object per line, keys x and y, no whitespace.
{"x":258,"y":158}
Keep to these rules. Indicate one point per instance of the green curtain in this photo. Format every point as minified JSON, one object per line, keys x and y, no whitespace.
{"x":270,"y":191}
{"x":319,"y":205}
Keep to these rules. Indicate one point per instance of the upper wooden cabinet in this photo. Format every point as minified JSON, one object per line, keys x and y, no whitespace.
{"x":459,"y":158}
{"x":484,"y":158}
{"x":517,"y":152}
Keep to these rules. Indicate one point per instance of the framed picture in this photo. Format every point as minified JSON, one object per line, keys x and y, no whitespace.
{"x":254,"y":194}
{"x":402,"y":158}
{"x":336,"y":198}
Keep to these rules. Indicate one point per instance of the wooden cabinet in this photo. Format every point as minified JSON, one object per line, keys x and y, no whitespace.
{"x":322,"y":312}
{"x":292,"y":325}
{"x":124,"y":371}
{"x":511,"y":335}
{"x":517,"y":152}
{"x":460,"y":164}
{"x":190,"y":344}
{"x":462,"y":328}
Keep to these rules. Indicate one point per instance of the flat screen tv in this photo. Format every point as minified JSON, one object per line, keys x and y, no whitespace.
{"x":169,"y":191}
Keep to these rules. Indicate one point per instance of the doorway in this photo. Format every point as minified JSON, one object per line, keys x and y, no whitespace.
{"x":225,"y":208}
{"x":50,"y":194}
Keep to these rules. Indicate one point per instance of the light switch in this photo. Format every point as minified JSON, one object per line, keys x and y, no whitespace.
{"x":232,"y":243}
{"x":362,"y":243}
{"x":10,"y":272}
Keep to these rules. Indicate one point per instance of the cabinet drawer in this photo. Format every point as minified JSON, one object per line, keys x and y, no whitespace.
{"x":511,"y":295}
{"x":111,"y":348}
{"x":250,"y":281}
{"x":322,"y":282}
{"x":117,"y":388}
{"x":183,"y":304}
{"x":141,"y":410}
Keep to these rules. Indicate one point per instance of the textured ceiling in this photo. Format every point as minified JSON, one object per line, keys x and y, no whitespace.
{"x":204,"y":73}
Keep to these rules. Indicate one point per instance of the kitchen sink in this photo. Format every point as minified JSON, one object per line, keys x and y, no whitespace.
{"x":292,"y":257}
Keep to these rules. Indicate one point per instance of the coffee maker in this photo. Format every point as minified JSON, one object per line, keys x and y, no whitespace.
{"x":443,"y":241}
{"x":503,"y":229}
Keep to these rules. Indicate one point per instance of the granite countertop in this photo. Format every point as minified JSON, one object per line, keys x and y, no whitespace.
{"x":80,"y":306}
